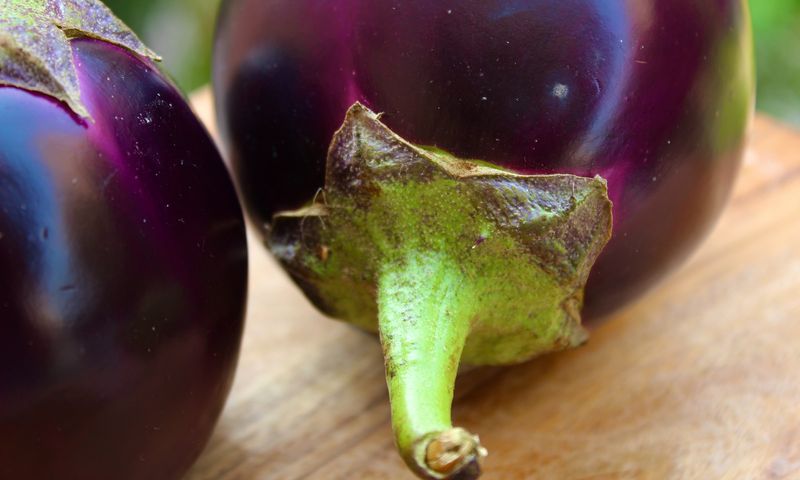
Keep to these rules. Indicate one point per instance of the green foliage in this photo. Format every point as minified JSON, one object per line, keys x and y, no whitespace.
{"x":777,"y":35}
{"x":181,"y":31}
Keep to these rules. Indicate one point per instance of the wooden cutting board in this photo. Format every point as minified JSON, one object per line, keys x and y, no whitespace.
{"x":700,"y":379}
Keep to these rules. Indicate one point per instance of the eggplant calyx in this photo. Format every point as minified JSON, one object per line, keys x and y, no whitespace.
{"x":522,"y":246}
{"x":448,"y":260}
{"x":35,"y":49}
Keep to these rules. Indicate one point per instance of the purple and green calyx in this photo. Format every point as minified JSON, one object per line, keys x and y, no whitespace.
{"x":448,"y":260}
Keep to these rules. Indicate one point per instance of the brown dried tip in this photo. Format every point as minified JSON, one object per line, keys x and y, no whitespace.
{"x":455,"y":454}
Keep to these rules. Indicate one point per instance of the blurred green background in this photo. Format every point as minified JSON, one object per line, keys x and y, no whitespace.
{"x":181,"y":31}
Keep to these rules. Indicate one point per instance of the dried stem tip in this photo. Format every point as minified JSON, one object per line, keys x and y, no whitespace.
{"x":455,"y":451}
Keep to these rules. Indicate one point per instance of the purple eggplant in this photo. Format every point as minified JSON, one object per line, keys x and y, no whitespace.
{"x":123,"y":257}
{"x":652,"y":95}
{"x":652,"y":98}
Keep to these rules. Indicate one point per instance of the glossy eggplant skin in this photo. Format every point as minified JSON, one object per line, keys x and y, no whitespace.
{"x":123,"y":266}
{"x":653,"y":95}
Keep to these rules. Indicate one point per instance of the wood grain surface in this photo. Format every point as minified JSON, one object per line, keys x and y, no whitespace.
{"x":700,"y":379}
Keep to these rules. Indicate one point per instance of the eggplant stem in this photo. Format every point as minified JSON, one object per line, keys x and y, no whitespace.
{"x":424,"y":318}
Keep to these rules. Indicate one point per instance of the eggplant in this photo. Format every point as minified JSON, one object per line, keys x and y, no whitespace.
{"x":569,"y":105}
{"x":123,"y":257}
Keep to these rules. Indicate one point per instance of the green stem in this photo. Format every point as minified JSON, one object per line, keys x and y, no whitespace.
{"x":423,"y":328}
{"x":447,"y":259}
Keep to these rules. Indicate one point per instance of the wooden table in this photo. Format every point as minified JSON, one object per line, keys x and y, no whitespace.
{"x":700,"y":379}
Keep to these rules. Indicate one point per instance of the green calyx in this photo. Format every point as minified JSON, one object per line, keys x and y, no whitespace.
{"x":448,"y":260}
{"x":35,"y":50}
